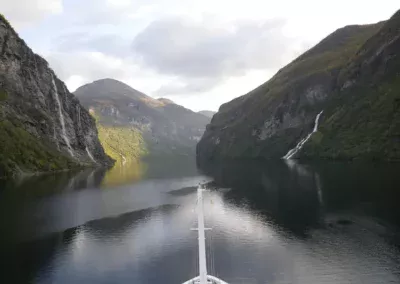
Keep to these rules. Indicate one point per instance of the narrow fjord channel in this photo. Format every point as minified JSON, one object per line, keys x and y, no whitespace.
{"x":275,"y":222}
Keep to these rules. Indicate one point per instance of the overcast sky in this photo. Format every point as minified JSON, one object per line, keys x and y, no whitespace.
{"x":199,"y":53}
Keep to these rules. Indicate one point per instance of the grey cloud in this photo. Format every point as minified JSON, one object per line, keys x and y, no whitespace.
{"x":92,"y":13}
{"x":68,"y":64}
{"x":110,"y":44}
{"x":22,"y":12}
{"x":188,"y":50}
{"x":191,"y":86}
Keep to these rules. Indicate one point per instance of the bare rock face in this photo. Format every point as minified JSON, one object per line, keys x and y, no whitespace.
{"x":42,"y":104}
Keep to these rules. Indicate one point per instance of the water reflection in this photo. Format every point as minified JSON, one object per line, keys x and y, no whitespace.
{"x":130,"y":170}
{"x":287,"y":192}
{"x":48,"y":184}
{"x":273,"y":222}
{"x":109,"y":250}
{"x":42,"y":204}
{"x":298,"y":196}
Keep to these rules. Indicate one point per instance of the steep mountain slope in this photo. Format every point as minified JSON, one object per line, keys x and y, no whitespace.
{"x":363,"y":118}
{"x":161,"y":126}
{"x":207,"y":113}
{"x":332,"y":76}
{"x":42,"y":126}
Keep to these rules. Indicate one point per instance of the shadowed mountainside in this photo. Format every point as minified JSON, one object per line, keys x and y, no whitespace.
{"x":352,"y":75}
{"x":43,"y":127}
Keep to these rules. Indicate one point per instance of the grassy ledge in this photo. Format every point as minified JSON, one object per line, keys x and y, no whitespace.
{"x":22,"y":152}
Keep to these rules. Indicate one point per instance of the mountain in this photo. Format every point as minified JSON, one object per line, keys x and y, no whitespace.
{"x":350,"y":78}
{"x":43,"y":127}
{"x":157,"y":126}
{"x":207,"y":113}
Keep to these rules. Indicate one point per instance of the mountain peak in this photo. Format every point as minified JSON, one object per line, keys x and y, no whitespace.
{"x":108,"y":88}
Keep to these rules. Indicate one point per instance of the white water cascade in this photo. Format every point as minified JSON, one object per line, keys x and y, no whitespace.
{"x":90,"y":155}
{"x":60,"y":112}
{"x":300,"y":145}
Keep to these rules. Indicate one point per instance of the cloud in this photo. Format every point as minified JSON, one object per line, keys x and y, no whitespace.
{"x":22,"y":12}
{"x":81,"y":67}
{"x":193,"y":50}
{"x":189,"y":57}
{"x":187,"y":87}
{"x":106,"y":43}
{"x":199,"y":52}
{"x":90,"y":65}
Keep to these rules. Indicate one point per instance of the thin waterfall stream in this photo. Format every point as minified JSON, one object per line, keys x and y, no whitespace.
{"x":61,"y":115}
{"x":300,"y":145}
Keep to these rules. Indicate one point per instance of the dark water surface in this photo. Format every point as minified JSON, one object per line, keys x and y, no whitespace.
{"x":273,"y":222}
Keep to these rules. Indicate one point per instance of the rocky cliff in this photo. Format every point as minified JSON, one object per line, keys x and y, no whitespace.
{"x":43,"y":127}
{"x":352,"y":76}
{"x":156,"y":126}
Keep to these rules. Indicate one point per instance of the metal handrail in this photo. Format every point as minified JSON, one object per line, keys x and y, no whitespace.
{"x":203,"y":277}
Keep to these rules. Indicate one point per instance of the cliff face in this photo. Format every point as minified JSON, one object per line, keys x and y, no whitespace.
{"x":362,"y":120}
{"x":43,"y":126}
{"x":331,"y":77}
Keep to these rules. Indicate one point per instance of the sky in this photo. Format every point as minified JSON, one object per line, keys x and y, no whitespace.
{"x":198,"y":53}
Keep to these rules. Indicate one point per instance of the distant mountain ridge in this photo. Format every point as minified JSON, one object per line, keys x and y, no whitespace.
{"x":165,"y":127}
{"x":352,"y":76}
{"x":207,"y":113}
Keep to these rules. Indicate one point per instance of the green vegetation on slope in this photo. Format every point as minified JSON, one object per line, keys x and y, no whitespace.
{"x":22,"y":151}
{"x":119,"y":142}
{"x":125,"y":145}
{"x":2,"y":18}
{"x":316,"y":66}
{"x":284,"y":108}
{"x":363,"y":123}
{"x":3,"y":95}
{"x":333,"y":52}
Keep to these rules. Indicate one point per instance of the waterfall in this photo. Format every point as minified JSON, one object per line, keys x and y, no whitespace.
{"x":300,"y":145}
{"x":61,"y":116}
{"x":123,"y":159}
{"x":55,"y":136}
{"x":90,"y":155}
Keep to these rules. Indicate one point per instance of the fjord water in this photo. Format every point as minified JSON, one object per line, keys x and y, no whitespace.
{"x":272,"y":222}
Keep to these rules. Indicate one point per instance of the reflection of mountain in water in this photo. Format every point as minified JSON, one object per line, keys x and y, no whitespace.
{"x":288,"y":194}
{"x":150,"y":168}
{"x":122,"y":173}
{"x":47,"y":184}
{"x":299,"y":196}
{"x":279,"y":222}
{"x":34,"y":256}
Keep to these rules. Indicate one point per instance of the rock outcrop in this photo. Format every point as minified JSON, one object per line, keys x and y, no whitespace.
{"x":36,"y":106}
{"x":352,"y":76}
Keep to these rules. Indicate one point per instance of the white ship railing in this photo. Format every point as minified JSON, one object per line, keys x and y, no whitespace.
{"x":210,"y":280}
{"x":203,"y":277}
